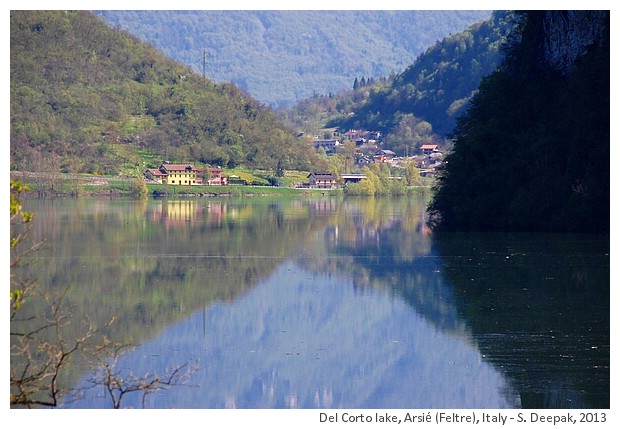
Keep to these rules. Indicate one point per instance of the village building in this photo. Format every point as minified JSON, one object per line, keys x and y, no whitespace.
{"x":328,"y":144}
{"x":352,"y":178}
{"x":216,"y":177}
{"x":361,"y":137}
{"x":322,"y":180}
{"x":384,"y":155}
{"x":185,"y":174}
{"x":427,"y":149}
{"x":173,"y":174}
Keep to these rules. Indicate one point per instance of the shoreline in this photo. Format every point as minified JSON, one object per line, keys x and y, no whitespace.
{"x":62,"y":185}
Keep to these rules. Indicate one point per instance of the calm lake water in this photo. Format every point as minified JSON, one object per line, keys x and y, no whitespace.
{"x":330,"y":303}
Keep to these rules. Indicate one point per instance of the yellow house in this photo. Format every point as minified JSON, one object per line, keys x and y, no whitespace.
{"x":186,"y":174}
{"x":179,"y":174}
{"x":174,"y":174}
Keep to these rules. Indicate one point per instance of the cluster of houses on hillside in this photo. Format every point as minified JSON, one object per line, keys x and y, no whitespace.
{"x":367,"y":143}
{"x":360,"y":137}
{"x":428,"y":158}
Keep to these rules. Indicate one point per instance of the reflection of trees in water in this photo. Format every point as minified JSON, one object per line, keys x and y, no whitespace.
{"x":538,"y":306}
{"x":384,"y":244}
{"x":150,"y":264}
{"x":526,"y":312}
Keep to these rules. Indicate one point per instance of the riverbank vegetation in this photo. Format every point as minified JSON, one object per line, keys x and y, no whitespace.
{"x":381,"y":181}
{"x":259,"y":183}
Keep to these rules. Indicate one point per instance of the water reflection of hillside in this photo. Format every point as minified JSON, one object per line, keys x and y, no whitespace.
{"x":386,"y":245}
{"x":151,"y":263}
{"x":519,"y":301}
{"x":311,"y":340}
{"x":537,"y":306}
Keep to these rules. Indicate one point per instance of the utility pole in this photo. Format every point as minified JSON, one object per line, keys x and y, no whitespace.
{"x":204,"y":62}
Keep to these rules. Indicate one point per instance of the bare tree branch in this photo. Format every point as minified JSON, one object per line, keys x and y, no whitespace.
{"x":40,"y":349}
{"x":118,"y":386}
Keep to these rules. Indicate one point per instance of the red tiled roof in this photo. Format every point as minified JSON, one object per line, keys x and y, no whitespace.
{"x":323,"y":176}
{"x":178,"y":167}
{"x":156,"y":172}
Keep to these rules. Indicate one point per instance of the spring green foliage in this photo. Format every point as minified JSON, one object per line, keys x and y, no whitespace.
{"x":434,"y":90}
{"x":19,"y":218}
{"x":86,"y":98}
{"x":139,"y":188}
{"x":533,"y":150}
{"x":379,"y":182}
{"x":420,"y":105}
{"x":15,"y":204}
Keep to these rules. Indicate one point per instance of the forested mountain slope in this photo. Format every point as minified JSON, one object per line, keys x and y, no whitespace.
{"x":281,"y":57}
{"x":86,"y":98}
{"x":437,"y":86}
{"x":533,"y":150}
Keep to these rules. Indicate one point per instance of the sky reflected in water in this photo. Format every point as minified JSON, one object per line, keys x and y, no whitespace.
{"x":307,"y":340}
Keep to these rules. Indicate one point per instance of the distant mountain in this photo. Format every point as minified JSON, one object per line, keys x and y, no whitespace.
{"x":86,"y":98}
{"x":281,"y":57}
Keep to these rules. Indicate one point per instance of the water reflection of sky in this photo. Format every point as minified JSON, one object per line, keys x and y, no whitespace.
{"x":309,"y":340}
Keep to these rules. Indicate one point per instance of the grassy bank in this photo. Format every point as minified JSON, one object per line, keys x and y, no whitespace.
{"x":236,"y":191}
{"x":76,"y":185}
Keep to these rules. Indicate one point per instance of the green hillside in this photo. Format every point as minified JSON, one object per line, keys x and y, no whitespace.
{"x":281,"y":57}
{"x":86,"y":98}
{"x":435,"y":89}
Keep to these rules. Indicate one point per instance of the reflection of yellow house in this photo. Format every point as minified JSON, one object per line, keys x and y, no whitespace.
{"x":176,"y":213}
{"x":180,"y":211}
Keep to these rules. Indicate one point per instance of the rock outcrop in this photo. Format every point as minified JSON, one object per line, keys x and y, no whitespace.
{"x":569,"y":34}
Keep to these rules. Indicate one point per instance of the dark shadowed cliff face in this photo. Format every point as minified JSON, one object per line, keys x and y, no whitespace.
{"x":568,"y":35}
{"x":552,"y":41}
{"x":523,"y":157}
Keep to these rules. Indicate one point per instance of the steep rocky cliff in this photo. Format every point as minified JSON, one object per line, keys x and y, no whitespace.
{"x":569,"y":34}
{"x":523,"y":156}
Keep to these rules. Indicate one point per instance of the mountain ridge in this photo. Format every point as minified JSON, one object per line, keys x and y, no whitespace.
{"x":281,"y":57}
